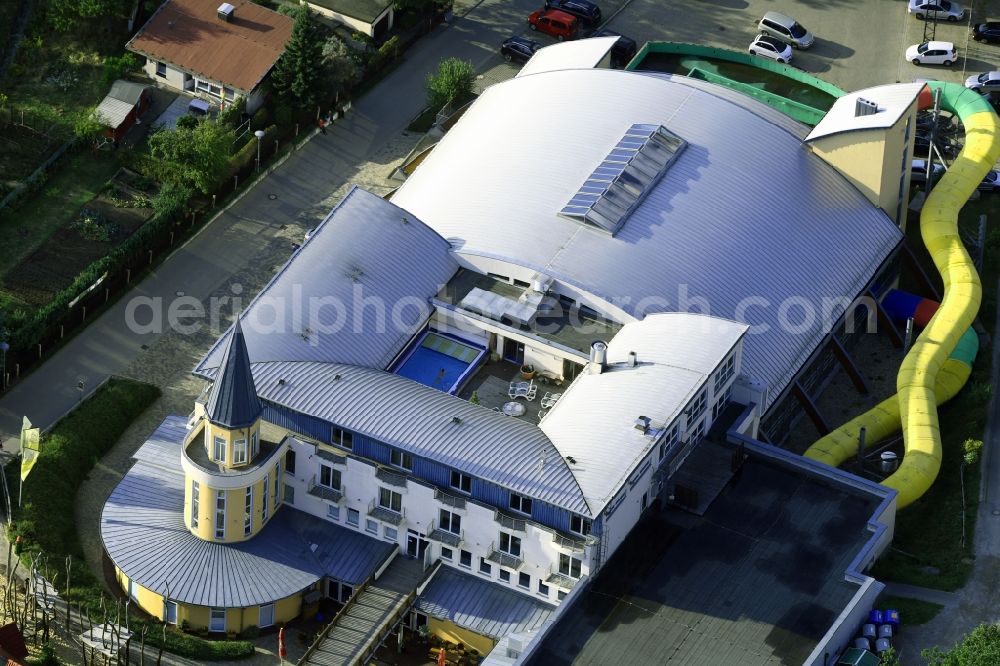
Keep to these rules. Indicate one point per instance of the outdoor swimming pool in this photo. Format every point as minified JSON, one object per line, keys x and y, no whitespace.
{"x":439,"y":361}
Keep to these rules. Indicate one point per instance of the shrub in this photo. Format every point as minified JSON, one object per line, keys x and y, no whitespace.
{"x":116,"y":67}
{"x":170,"y":201}
{"x":248,"y":153}
{"x":452,"y":82}
{"x":94,"y":226}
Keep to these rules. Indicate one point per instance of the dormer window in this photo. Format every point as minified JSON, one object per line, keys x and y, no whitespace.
{"x":219,"y":450}
{"x":239,"y":451}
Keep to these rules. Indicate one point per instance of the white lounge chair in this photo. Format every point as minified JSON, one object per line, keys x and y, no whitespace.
{"x":526,"y":390}
{"x":550,"y":399}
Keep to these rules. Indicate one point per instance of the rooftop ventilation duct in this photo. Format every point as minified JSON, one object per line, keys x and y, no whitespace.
{"x":864,"y":107}
{"x":632,"y":359}
{"x":226,"y":12}
{"x":642,"y":424}
{"x":598,"y":357}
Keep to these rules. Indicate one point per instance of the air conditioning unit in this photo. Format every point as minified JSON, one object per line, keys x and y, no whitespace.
{"x":226,"y":12}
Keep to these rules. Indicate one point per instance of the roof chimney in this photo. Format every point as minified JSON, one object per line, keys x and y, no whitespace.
{"x":226,"y":12}
{"x":642,"y":424}
{"x":598,"y":357}
{"x":631,"y":359}
{"x":864,"y":107}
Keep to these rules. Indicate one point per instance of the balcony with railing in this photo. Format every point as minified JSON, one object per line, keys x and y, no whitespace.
{"x":447,"y":537}
{"x":390,"y":477}
{"x":325,"y":493}
{"x":561,"y":579}
{"x":510,"y":522}
{"x":386,"y":515}
{"x":576,"y":545}
{"x":503,"y":558}
{"x":449,"y":500}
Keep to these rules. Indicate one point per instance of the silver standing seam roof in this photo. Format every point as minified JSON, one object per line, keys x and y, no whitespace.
{"x":315,"y":307}
{"x":479,"y":605}
{"x":143,"y":531}
{"x":745,"y":212}
{"x":509,"y":452}
{"x":233,"y":401}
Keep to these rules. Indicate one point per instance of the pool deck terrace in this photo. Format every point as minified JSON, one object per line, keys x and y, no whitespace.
{"x":491,"y":381}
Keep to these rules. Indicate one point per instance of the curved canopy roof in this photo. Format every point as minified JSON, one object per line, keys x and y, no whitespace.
{"x":746,"y":223}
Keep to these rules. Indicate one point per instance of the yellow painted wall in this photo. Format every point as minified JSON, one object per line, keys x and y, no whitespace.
{"x":858,"y":155}
{"x":235,"y":507}
{"x":450,"y":631}
{"x":214,"y":431}
{"x":195,"y":616}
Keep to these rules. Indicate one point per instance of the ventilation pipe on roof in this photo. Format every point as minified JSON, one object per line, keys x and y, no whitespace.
{"x":598,"y":357}
{"x":864,"y":107}
{"x":642,"y":424}
{"x":631,"y":359}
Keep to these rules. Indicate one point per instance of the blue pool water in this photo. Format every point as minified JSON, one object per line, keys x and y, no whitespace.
{"x":439,"y":362}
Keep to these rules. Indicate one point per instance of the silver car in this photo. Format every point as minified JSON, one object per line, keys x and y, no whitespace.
{"x":786,"y":29}
{"x":939,"y":9}
{"x":984,"y":83}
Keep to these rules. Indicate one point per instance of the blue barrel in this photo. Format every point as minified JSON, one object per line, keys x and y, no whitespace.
{"x":863,"y":644}
{"x":900,"y":305}
{"x":891,"y":616}
{"x":882,"y":644}
{"x":875,"y":616}
{"x":869,"y":631}
{"x":885,"y":631}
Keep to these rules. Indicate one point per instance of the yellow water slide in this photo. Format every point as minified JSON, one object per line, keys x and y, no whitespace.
{"x":940,"y":361}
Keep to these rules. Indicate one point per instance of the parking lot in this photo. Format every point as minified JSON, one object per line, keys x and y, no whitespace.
{"x":859,"y":43}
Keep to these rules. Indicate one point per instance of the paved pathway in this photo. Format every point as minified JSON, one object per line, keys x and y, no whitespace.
{"x":946,"y":599}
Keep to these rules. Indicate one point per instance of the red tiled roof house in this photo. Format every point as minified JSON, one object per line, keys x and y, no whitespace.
{"x":218,"y":52}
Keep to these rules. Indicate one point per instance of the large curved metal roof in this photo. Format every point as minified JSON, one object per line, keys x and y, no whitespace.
{"x":746,"y":212}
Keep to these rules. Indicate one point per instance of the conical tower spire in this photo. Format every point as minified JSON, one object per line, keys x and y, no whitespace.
{"x":233,"y":402}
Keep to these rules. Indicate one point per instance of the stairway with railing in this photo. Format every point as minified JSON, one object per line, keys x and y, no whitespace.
{"x":359,"y":628}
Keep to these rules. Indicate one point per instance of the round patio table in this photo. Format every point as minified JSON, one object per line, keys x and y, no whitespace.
{"x":513,"y":408}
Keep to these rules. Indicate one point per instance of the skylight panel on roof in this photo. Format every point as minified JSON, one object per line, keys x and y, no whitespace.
{"x":624,"y":177}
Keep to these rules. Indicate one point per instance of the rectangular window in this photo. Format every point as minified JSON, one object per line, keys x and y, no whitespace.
{"x":697,"y":407}
{"x":510,"y":544}
{"x":560,"y":594}
{"x":388,"y":499}
{"x":485,"y":567}
{"x":579,"y":524}
{"x":699,"y":432}
{"x":543,"y":589}
{"x":346,"y":592}
{"x":505,"y":575}
{"x":133,"y":590}
{"x":465,"y":559}
{"x":721,"y":403}
{"x":217,"y":620}
{"x":461,"y":481}
{"x":390,"y":533}
{"x":289,"y":494}
{"x":228,"y":94}
{"x":446,"y":553}
{"x":353,"y":517}
{"x":194,"y":504}
{"x":524,"y":580}
{"x":725,"y":373}
{"x":290,"y":461}
{"x":329,"y":477}
{"x":220,"y":514}
{"x":520,"y":503}
{"x":277,"y":476}
{"x":669,"y":441}
{"x":170,"y":612}
{"x":266,"y":615}
{"x":239,"y":451}
{"x":569,"y":566}
{"x":254,"y":444}
{"x":220,"y":450}
{"x":343,"y":438}
{"x":333,"y":512}
{"x":161,"y":69}
{"x":248,"y":512}
{"x":451,"y":522}
{"x":371,"y":526}
{"x":401,"y":459}
{"x":263,"y":500}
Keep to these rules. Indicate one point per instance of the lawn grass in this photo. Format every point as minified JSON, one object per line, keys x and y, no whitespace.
{"x":27,"y":226}
{"x":929,"y":548}
{"x":911,"y":611}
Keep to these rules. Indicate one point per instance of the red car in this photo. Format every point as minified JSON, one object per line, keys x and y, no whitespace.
{"x":556,"y":23}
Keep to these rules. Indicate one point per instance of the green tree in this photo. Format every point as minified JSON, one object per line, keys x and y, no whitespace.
{"x":298,"y":74}
{"x":116,"y":67}
{"x":170,"y":201}
{"x":452,"y":82}
{"x":342,"y":70}
{"x":980,"y":647}
{"x":87,"y":127}
{"x":47,"y":657}
{"x":64,"y":15}
{"x":194,"y":156}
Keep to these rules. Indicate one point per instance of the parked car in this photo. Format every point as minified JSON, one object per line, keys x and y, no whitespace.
{"x":946,"y":147}
{"x":771,"y":47}
{"x":556,"y":23}
{"x":991,"y":182}
{"x":918,"y":171}
{"x":932,"y":53}
{"x":518,"y":48}
{"x":624,"y":49}
{"x":940,"y":9}
{"x":588,"y":12}
{"x":787,"y":29}
{"x":986,"y":32}
{"x":984,"y":83}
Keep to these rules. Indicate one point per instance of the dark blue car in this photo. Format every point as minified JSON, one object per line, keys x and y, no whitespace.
{"x":518,"y":48}
{"x":588,"y":12}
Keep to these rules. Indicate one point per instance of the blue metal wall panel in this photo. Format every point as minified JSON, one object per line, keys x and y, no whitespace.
{"x":309,"y":426}
{"x":372,"y":449}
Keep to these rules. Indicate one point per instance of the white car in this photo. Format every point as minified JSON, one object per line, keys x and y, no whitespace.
{"x":939,"y":9}
{"x":983,"y":83}
{"x":932,"y":53}
{"x":771,"y":47}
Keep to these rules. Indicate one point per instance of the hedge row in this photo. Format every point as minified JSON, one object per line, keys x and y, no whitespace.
{"x":45,"y":521}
